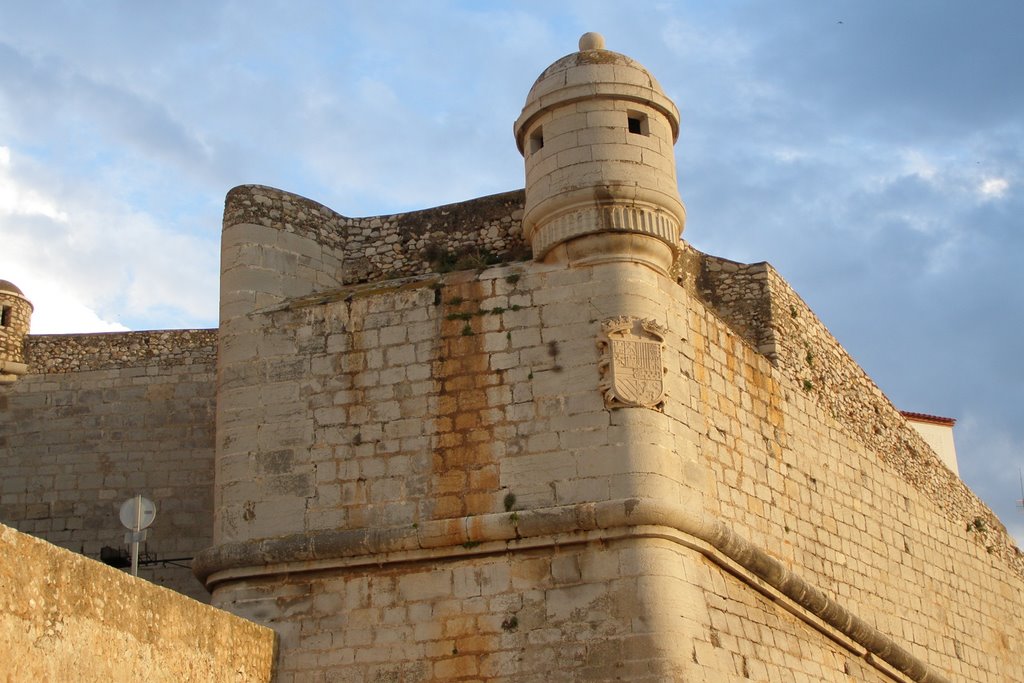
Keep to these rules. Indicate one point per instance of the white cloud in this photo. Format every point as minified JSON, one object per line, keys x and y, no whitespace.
{"x":990,"y":461}
{"x":90,"y":262}
{"x":945,"y":171}
{"x":916,"y":162}
{"x":58,"y":310}
{"x":18,"y":200}
{"x":993,"y":188}
{"x":789,"y":155}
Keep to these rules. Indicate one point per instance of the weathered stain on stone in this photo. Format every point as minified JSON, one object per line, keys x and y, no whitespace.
{"x":464,"y":477}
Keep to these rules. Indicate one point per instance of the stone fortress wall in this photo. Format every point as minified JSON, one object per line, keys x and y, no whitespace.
{"x":100,"y":418}
{"x":518,"y":443}
{"x":376,"y":351}
{"x":754,"y":301}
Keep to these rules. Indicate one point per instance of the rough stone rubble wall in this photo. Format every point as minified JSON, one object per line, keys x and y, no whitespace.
{"x":100,"y":418}
{"x":354,"y":250}
{"x":66,"y":618}
{"x":739,"y":293}
{"x":60,"y":353}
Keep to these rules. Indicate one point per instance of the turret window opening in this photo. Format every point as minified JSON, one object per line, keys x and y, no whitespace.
{"x":637,"y":123}
{"x":537,"y":139}
{"x":5,"y":316}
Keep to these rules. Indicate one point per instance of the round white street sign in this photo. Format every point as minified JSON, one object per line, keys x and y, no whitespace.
{"x":138,"y":509}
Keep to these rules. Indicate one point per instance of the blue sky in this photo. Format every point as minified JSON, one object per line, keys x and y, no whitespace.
{"x":870,"y":150}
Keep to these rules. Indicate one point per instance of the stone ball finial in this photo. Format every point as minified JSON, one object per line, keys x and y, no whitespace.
{"x":591,"y":41}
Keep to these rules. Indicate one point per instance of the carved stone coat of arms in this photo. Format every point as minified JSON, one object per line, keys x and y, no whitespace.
{"x":632,"y":369}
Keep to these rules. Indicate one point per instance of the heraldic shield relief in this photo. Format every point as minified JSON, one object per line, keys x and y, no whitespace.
{"x":633,"y":372}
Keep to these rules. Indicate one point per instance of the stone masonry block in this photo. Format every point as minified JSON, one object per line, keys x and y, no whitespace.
{"x":428,"y":585}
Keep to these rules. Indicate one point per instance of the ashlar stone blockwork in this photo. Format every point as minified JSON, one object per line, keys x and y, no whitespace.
{"x":504,"y":363}
{"x":100,"y":418}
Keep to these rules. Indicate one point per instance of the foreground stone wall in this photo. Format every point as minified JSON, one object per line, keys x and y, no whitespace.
{"x":100,"y":418}
{"x":66,"y":618}
{"x":446,"y":429}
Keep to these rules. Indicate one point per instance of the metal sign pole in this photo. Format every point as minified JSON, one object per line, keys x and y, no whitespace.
{"x":136,"y":514}
{"x":135,"y":536}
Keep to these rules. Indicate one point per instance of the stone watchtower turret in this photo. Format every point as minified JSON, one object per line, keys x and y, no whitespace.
{"x":597,"y":133}
{"x":15,"y":314}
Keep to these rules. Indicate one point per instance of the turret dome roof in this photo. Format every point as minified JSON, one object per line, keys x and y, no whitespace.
{"x":594,"y":72}
{"x":8,"y":286}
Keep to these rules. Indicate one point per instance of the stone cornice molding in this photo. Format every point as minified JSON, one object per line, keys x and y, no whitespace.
{"x":589,"y":220}
{"x":563,"y":525}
